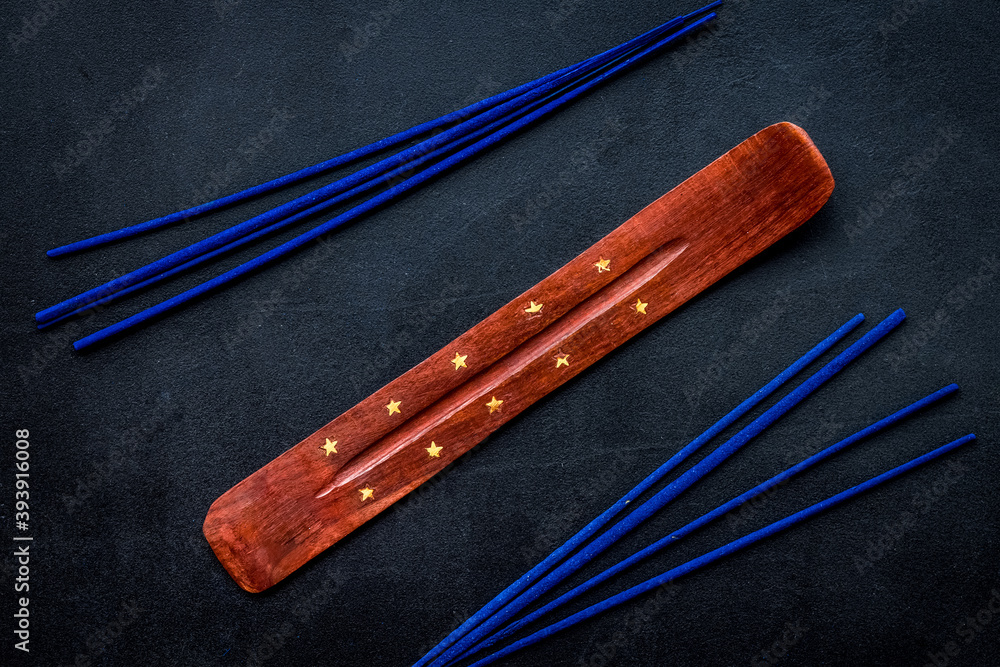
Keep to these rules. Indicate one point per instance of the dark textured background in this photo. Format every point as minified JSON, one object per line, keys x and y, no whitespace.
{"x":131,"y":444}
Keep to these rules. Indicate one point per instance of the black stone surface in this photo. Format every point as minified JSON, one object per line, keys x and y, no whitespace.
{"x":131,"y":444}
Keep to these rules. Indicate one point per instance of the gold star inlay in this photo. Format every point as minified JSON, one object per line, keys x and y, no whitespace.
{"x":434,"y":451}
{"x":459,"y":360}
{"x":534,"y":308}
{"x":494,"y":405}
{"x":640,"y":307}
{"x":330,"y":446}
{"x":393,"y":407}
{"x":603,"y":265}
{"x":367,"y":493}
{"x":562,"y":360}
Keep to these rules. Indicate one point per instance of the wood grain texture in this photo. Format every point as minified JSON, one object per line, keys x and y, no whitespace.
{"x":307,"y":499}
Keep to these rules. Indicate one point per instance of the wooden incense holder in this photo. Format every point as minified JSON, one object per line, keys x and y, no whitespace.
{"x":314,"y":494}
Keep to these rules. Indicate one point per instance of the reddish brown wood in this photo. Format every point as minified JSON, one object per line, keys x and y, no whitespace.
{"x":304,"y":501}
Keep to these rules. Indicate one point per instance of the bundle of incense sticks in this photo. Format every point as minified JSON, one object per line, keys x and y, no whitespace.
{"x":495,"y":621}
{"x":473,"y":129}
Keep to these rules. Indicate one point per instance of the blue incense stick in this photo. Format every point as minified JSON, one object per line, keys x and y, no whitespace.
{"x":326,"y":192}
{"x":368,"y":206}
{"x":712,"y":556}
{"x":590,"y":529}
{"x":356,"y":154}
{"x":373,"y":182}
{"x":671,"y":490}
{"x":705,"y":519}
